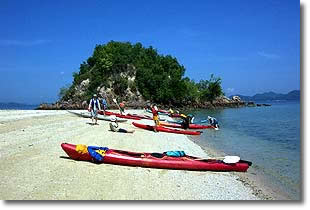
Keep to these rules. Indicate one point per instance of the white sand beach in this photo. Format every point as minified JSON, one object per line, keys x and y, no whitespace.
{"x":34,"y":166}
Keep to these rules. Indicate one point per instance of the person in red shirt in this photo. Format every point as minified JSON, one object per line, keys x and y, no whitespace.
{"x":122,"y":107}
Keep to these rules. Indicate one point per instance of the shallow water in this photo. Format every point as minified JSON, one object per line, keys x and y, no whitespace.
{"x":267,"y":136}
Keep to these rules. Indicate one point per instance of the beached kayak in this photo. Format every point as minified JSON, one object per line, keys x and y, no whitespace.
{"x":191,"y":126}
{"x":150,"y":160}
{"x":162,"y":112}
{"x":164,"y":129}
{"x":140,"y":116}
{"x":175,"y":115}
{"x":88,"y":115}
{"x":131,"y":117}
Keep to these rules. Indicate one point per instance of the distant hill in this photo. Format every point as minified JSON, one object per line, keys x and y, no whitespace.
{"x":291,"y":96}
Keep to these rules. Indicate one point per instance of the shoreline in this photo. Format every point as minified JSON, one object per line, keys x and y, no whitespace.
{"x":257,"y":183}
{"x":35,"y":167}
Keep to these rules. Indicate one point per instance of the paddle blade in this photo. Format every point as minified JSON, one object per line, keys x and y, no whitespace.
{"x":231,"y":159}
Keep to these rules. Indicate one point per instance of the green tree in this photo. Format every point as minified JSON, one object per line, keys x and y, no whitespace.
{"x":63,"y":91}
{"x":212,"y":90}
{"x":159,"y":78}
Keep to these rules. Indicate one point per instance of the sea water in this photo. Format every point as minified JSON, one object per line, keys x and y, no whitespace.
{"x":269,"y":136}
{"x":15,"y":106}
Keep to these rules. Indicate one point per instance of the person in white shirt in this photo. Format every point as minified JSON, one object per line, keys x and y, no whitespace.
{"x":114,"y":126}
{"x":213,"y":122}
{"x":94,"y":106}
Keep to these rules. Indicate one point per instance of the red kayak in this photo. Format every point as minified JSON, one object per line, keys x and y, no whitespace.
{"x":141,"y":116}
{"x":150,"y":160}
{"x":191,"y":126}
{"x":120,"y":115}
{"x":164,"y":111}
{"x":175,"y":115}
{"x":164,"y":129}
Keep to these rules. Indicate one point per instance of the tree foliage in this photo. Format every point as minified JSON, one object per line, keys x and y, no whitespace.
{"x":158,"y":78}
{"x":210,"y":89}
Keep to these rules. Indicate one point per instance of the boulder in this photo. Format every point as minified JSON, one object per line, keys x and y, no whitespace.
{"x":236,"y":98}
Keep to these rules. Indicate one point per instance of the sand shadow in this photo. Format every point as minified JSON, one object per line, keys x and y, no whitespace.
{"x":65,"y":157}
{"x":122,"y":132}
{"x":92,"y":123}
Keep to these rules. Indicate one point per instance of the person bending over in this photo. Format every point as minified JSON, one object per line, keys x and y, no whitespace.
{"x":213,"y":121}
{"x":186,"y":120}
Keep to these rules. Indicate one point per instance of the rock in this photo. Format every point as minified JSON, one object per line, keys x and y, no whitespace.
{"x":84,"y":104}
{"x":236,"y":98}
{"x":81,"y":88}
{"x":251,"y":104}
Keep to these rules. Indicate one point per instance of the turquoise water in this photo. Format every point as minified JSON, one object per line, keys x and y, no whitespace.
{"x":267,"y":136}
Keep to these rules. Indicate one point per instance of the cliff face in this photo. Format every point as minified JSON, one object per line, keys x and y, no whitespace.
{"x":133,"y":98}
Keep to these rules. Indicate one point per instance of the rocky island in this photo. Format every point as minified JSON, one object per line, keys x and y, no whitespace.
{"x":136,"y":75}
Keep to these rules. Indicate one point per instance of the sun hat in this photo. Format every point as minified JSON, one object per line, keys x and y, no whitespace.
{"x":113,"y":118}
{"x":95,"y":95}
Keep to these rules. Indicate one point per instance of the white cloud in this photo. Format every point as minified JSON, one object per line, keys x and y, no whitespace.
{"x":62,"y":73}
{"x":23,"y":43}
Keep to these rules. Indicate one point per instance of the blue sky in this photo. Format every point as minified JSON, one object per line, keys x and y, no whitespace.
{"x":254,"y":46}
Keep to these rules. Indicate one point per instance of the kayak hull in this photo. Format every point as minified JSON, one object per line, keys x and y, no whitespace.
{"x":191,"y":126}
{"x":164,"y":129}
{"x":120,"y":115}
{"x":158,"y":160}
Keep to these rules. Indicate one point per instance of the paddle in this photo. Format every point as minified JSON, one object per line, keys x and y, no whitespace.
{"x":231,"y":159}
{"x":226,"y":159}
{"x":115,"y":101}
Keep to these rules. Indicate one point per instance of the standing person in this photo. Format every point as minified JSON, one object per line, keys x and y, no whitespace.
{"x":155,"y":116}
{"x":94,"y":106}
{"x":104,"y":105}
{"x":122,"y":107}
{"x":213,"y":121}
{"x":114,"y":126}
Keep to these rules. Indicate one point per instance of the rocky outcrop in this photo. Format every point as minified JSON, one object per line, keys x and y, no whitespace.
{"x":224,"y":101}
{"x":251,"y":104}
{"x":236,"y":98}
{"x":136,"y":101}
